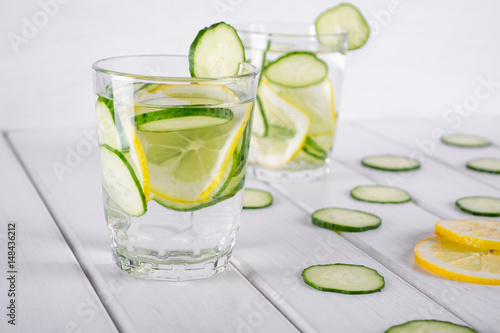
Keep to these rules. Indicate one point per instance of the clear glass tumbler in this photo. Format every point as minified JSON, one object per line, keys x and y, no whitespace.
{"x":298,"y":98}
{"x":173,"y":158}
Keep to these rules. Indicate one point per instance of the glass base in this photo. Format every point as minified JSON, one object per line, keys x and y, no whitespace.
{"x":261,"y":173}
{"x":175,"y":269}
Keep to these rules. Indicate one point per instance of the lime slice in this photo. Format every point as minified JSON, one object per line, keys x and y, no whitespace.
{"x":189,"y":166}
{"x":287,"y":130}
{"x":317,"y":101}
{"x":343,"y":18}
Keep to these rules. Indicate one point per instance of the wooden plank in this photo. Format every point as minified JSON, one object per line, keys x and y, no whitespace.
{"x":275,"y":244}
{"x":44,"y":271}
{"x":423,"y":138}
{"x":434,"y":187}
{"x":224,"y":303}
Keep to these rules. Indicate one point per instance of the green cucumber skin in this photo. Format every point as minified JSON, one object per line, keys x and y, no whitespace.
{"x":134,"y":178}
{"x":269,"y":195}
{"x":289,"y":54}
{"x":341,"y":291}
{"x":368,"y":165}
{"x":170,"y":113}
{"x":394,"y":329}
{"x":197,"y":39}
{"x":482,"y":170}
{"x":339,"y":227}
{"x":312,"y":148}
{"x":475,"y":212}
{"x":381,"y":202}
{"x":486,"y":144}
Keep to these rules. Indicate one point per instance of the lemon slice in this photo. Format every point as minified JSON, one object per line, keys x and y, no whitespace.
{"x":287,"y":130}
{"x":478,"y":233}
{"x":458,"y":262}
{"x":317,"y":101}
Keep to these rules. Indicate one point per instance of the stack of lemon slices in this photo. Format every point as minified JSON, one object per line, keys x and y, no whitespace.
{"x":465,"y":250}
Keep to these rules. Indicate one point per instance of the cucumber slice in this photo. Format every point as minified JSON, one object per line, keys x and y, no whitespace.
{"x":342,"y":219}
{"x":313,"y":149}
{"x":490,"y":165}
{"x":216,"y":51}
{"x":429,"y":326}
{"x":255,"y":199}
{"x":296,"y":69}
{"x":390,"y":163}
{"x":182,"y":119}
{"x":343,"y":18}
{"x":121,"y":183}
{"x":110,"y":129}
{"x":344,"y":279}
{"x":380,"y":194}
{"x":465,"y":141}
{"x":482,"y":206}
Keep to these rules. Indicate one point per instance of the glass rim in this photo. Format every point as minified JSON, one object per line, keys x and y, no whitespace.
{"x":239,"y":28}
{"x":254,"y":71}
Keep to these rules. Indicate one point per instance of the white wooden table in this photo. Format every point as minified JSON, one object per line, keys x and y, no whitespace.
{"x":65,"y":280}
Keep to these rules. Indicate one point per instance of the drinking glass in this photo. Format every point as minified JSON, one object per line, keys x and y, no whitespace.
{"x":173,"y":152}
{"x":298,"y":98}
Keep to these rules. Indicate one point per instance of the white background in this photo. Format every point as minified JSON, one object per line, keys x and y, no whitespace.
{"x":424,"y":56}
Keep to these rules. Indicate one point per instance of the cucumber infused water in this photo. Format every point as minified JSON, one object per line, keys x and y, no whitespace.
{"x":298,"y":99}
{"x":173,"y":159}
{"x":297,"y":107}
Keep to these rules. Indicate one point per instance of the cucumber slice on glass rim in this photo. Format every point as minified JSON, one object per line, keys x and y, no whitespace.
{"x":490,"y":165}
{"x":423,"y":326}
{"x":254,"y":199}
{"x":343,"y":219}
{"x":479,"y":205}
{"x":344,"y":279}
{"x":380,"y":194}
{"x":342,"y":18}
{"x":296,"y":69}
{"x":390,"y":163}
{"x":181,"y":119}
{"x":121,"y":183}
{"x":465,"y":141}
{"x":216,"y":51}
